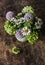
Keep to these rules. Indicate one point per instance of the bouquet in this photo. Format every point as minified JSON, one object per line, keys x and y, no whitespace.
{"x":25,"y":26}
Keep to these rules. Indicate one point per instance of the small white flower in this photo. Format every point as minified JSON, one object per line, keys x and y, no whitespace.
{"x":22,"y":20}
{"x":38,"y":23}
{"x":25,"y":31}
{"x":19,"y":14}
{"x":17,"y":21}
{"x":12,"y":19}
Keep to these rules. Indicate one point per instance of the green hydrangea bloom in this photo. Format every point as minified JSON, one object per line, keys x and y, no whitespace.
{"x":28,"y":9}
{"x":32,"y":37}
{"x":10,"y":28}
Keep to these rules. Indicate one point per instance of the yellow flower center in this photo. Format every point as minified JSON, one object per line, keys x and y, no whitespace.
{"x":17,"y":21}
{"x":25,"y":31}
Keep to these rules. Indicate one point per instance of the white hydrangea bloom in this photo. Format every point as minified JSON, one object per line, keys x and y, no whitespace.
{"x":39,"y":23}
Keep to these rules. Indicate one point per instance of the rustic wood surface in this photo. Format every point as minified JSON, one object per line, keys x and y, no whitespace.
{"x":30,"y":54}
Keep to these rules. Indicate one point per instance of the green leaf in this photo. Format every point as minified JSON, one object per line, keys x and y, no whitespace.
{"x":28,"y":24}
{"x":15,"y":50}
{"x":17,"y":17}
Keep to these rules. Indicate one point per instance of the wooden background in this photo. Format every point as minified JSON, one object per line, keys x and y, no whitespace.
{"x":30,"y":54}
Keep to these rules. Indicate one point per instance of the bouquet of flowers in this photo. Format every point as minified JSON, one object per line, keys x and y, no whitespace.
{"x":25,"y":26}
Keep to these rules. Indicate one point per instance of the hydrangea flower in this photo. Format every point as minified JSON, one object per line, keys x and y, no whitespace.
{"x":28,"y":9}
{"x":9,"y":15}
{"x":32,"y":37}
{"x":19,"y":34}
{"x":10,"y":28}
{"x":28,"y":16}
{"x":25,"y":31}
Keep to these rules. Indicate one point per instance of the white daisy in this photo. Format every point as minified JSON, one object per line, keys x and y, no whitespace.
{"x":25,"y":31}
{"x":19,"y":21}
